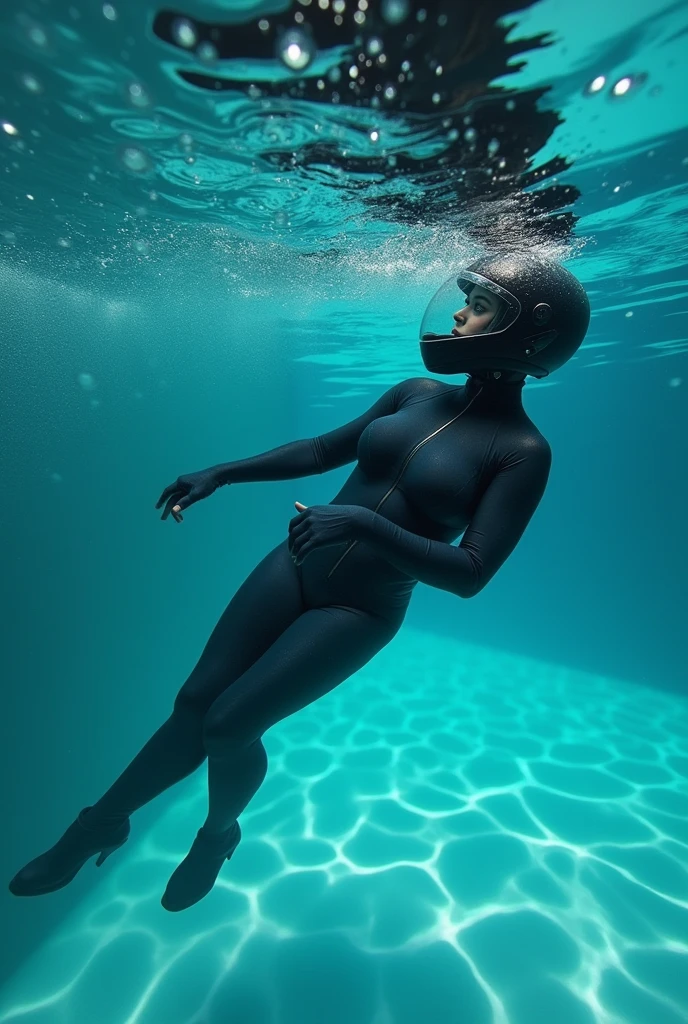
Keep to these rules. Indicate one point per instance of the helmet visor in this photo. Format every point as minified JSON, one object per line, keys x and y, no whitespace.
{"x":450,"y":298}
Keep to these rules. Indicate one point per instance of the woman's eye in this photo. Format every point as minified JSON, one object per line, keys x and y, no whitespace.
{"x":479,"y":308}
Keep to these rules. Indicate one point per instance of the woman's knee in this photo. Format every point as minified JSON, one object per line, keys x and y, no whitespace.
{"x":225,"y":732}
{"x":195,"y":697}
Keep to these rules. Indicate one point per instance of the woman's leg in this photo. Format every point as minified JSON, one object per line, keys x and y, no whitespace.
{"x":320,"y":649}
{"x":262,"y":608}
{"x":316,"y":652}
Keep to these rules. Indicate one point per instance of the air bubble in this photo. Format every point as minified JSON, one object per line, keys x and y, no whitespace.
{"x":109,"y":12}
{"x":138,"y":95}
{"x":625,"y":84}
{"x":395,"y":11}
{"x":595,"y":85}
{"x":184,"y":33}
{"x":630,"y":313}
{"x":87,"y":381}
{"x":296,"y":49}
{"x":31,"y":83}
{"x":493,"y":147}
{"x":207,"y":53}
{"x":135,"y":159}
{"x":141,"y":246}
{"x":390,"y":92}
{"x":374,"y":46}
{"x":470,"y":135}
{"x":8,"y":128}
{"x":254,"y":92}
{"x":675,"y":382}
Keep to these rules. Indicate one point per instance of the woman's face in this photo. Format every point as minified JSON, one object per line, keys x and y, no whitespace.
{"x":478,"y":313}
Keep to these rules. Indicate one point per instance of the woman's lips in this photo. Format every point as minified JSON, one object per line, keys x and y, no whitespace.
{"x":457,"y":332}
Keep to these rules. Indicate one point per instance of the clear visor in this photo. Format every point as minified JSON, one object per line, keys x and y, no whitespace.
{"x":451,"y":297}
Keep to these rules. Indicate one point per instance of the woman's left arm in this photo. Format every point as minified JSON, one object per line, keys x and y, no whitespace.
{"x":494,"y":531}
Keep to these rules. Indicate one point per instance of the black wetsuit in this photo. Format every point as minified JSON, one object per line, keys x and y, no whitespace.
{"x":435,"y":459}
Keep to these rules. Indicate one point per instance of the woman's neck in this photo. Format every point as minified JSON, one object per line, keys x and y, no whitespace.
{"x":503,"y":392}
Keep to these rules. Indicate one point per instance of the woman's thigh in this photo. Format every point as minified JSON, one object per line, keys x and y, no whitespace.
{"x":266,"y":603}
{"x":320,"y":649}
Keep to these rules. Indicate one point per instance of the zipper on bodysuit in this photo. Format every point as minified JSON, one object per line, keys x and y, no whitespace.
{"x":405,"y":463}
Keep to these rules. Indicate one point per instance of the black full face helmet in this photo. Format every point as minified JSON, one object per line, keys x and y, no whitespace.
{"x":543,"y":318}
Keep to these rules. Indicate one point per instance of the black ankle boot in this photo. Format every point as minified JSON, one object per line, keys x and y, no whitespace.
{"x":195,"y":876}
{"x":58,"y":866}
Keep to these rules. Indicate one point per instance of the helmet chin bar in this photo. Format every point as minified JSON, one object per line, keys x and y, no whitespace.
{"x":448,"y":354}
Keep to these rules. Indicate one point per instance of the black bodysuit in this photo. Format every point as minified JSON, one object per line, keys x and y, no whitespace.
{"x":435,"y":459}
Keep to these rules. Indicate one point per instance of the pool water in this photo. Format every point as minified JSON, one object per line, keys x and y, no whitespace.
{"x":206,"y":252}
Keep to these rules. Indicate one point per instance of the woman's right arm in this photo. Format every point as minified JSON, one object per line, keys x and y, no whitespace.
{"x":288,"y":462}
{"x":310,"y":455}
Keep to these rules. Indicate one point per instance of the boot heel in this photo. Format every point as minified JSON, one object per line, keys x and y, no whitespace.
{"x":104,"y":854}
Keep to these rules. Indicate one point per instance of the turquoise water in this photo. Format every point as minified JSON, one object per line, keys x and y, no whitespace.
{"x":457,"y":834}
{"x":488,"y":822}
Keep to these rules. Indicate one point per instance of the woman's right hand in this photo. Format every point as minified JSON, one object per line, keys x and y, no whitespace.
{"x":186,"y":490}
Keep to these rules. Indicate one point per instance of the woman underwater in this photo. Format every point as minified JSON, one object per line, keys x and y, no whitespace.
{"x":432,"y":460}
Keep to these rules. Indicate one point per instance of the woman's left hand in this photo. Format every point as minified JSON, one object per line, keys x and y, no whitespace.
{"x":320,"y":526}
